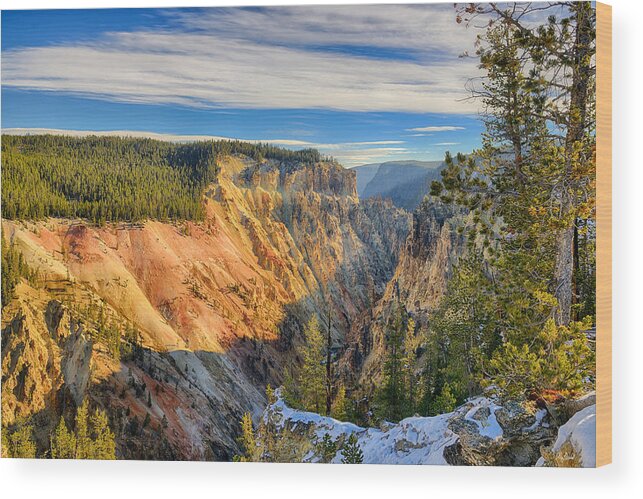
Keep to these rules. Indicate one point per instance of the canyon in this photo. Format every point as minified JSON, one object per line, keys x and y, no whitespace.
{"x":218,"y":305}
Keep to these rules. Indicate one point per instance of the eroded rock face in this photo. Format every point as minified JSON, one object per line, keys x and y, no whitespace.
{"x":219,"y":305}
{"x":31,"y":353}
{"x":419,"y":281}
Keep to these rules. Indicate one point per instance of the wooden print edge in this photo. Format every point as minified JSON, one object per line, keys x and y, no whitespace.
{"x":603,"y":234}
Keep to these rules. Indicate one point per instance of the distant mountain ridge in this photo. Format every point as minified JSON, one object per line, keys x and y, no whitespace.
{"x":403,"y":182}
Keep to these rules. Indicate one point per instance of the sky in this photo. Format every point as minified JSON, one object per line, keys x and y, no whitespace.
{"x":364,"y":84}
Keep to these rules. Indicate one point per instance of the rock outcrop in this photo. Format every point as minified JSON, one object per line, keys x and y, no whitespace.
{"x":431,"y":249}
{"x":575,"y":443}
{"x":480,"y":432}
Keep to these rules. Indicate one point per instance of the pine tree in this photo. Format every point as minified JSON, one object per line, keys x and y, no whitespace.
{"x":312,"y":377}
{"x":83,"y":440}
{"x":339,"y":407}
{"x":63,"y":442}
{"x":392,"y":395}
{"x":352,"y":452}
{"x":247,"y":440}
{"x":20,"y":442}
{"x":411,"y":379}
{"x":327,"y":448}
{"x":445,"y":401}
{"x":103,"y":445}
{"x":536,"y":170}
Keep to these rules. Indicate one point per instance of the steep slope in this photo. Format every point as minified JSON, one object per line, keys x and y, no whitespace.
{"x":219,"y":304}
{"x":364,"y":174}
{"x":404,"y":182}
{"x":431,"y":249}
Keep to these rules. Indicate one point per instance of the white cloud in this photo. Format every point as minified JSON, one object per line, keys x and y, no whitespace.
{"x":447,"y":144}
{"x":436,"y":129}
{"x":274,"y":58}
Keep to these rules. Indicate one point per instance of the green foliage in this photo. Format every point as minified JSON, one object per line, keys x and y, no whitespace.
{"x":63,"y":442}
{"x":110,"y":179}
{"x":93,"y":437}
{"x":13,"y":269}
{"x":247,"y":440}
{"x":83,"y":441}
{"x":444,"y":402}
{"x":270,"y":395}
{"x":352,"y":452}
{"x":507,"y":319}
{"x":327,"y":448}
{"x":339,"y":408}
{"x":399,"y":395}
{"x":464,"y":333}
{"x":391,"y":397}
{"x":312,"y":376}
{"x":559,"y":359}
{"x":103,"y":442}
{"x":19,"y":442}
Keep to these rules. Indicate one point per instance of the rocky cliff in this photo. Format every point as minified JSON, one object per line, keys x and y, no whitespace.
{"x":218,"y":305}
{"x":431,"y":249}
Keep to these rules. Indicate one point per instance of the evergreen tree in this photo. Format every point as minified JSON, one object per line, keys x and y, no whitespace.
{"x":312,"y":376}
{"x":391,"y":397}
{"x":352,"y":452}
{"x":444,"y":402}
{"x":327,"y":448}
{"x":247,"y":440}
{"x":412,"y":342}
{"x":103,"y":444}
{"x":339,"y":408}
{"x":83,"y":440}
{"x":20,"y":442}
{"x":536,"y":170}
{"x":63,"y":442}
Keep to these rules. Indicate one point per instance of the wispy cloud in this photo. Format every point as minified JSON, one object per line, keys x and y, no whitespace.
{"x":447,"y":144}
{"x":436,"y":129}
{"x":279,"y":58}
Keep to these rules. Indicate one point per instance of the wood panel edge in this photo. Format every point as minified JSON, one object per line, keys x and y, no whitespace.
{"x":603,"y":234}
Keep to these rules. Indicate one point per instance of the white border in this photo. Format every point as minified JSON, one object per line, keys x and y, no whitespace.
{"x":50,"y":479}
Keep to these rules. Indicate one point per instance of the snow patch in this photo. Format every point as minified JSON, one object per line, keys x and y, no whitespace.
{"x":580,"y":430}
{"x":414,"y":440}
{"x":489,"y":426}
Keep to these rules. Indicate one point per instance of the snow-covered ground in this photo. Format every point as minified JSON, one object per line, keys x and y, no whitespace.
{"x":414,"y":440}
{"x":479,"y":432}
{"x":580,"y":430}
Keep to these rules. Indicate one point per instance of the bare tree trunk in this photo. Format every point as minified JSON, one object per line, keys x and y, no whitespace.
{"x":563,"y":276}
{"x":576,"y":128}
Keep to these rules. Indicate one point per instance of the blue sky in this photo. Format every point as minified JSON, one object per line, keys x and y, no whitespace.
{"x":361,"y":83}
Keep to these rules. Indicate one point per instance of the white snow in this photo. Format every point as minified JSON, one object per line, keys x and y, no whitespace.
{"x":488,"y":427}
{"x":580,"y":430}
{"x":415,"y":440}
{"x":540,"y":414}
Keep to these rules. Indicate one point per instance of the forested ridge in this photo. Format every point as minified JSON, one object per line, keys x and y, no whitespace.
{"x":112,"y":179}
